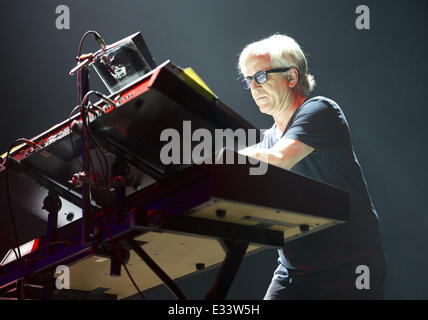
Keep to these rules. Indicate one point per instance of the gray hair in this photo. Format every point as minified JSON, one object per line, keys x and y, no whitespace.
{"x":284,"y":52}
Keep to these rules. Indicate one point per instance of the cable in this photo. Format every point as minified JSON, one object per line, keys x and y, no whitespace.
{"x":92,"y":138}
{"x":97,"y":147}
{"x":107,"y":100}
{"x":71,"y":137}
{"x":79,"y":51}
{"x":88,"y":134}
{"x":97,"y":37}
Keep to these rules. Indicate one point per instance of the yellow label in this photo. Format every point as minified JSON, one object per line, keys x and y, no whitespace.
{"x":207,"y":92}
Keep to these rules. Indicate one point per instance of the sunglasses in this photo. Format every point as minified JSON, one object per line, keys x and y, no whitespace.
{"x":260,"y":77}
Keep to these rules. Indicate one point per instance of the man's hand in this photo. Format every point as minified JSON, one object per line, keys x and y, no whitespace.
{"x":284,"y":154}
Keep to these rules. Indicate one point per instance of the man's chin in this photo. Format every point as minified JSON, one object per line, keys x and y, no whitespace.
{"x":264,"y":109}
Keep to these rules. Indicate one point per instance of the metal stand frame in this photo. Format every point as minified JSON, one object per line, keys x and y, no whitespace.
{"x":235,"y":251}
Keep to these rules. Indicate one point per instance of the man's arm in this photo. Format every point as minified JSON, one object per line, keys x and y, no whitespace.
{"x":284,"y":154}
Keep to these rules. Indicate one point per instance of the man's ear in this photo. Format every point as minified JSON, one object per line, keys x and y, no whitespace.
{"x":293,"y":77}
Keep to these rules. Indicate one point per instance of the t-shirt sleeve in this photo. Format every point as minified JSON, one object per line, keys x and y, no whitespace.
{"x":319,"y":125}
{"x":266,"y":142}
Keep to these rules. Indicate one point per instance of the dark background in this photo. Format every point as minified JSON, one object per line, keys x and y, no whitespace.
{"x":377,"y":76}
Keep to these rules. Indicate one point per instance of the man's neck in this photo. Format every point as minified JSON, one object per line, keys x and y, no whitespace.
{"x":282,"y":118}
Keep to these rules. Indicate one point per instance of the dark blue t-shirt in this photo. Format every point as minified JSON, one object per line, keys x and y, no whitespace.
{"x":320,"y":123}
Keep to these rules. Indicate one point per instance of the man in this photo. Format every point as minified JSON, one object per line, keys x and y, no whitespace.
{"x":311,"y":137}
